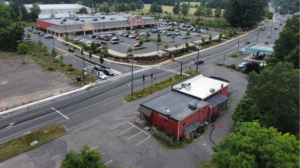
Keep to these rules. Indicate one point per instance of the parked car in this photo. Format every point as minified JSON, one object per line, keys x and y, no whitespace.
{"x":94,"y":36}
{"x":29,"y":29}
{"x":171,"y":29}
{"x":142,"y":34}
{"x":247,"y":42}
{"x":126,"y":35}
{"x":243,"y":65}
{"x":169,"y":34}
{"x":213,"y":118}
{"x":71,"y":50}
{"x":177,"y":30}
{"x":138,"y":38}
{"x":262,"y":29}
{"x":154,"y":31}
{"x":178,"y":34}
{"x":147,"y":40}
{"x":137,"y":45}
{"x":98,"y":68}
{"x":197,"y":34}
{"x":101,"y":75}
{"x":174,"y":34}
{"x":114,"y":42}
{"x":200,"y":61}
{"x":184,"y":29}
{"x":78,"y":39}
{"x":26,"y":38}
{"x":108,"y":72}
{"x":100,"y":47}
{"x":88,"y":42}
{"x":37,"y":32}
{"x":114,"y":39}
{"x":194,"y":29}
{"x":276,"y":28}
{"x":48,"y":36}
{"x":82,"y":40}
{"x":103,"y":42}
{"x":131,"y":37}
{"x":98,"y":44}
{"x":106,"y":39}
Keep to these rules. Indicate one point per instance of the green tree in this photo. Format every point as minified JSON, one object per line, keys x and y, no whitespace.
{"x":28,"y":35}
{"x":203,"y":3}
{"x":53,"y":52}
{"x":61,"y":57}
{"x":256,"y":146}
{"x":203,"y":40}
{"x":133,"y":6}
{"x":23,"y":13}
{"x":275,"y":93}
{"x":173,"y":37}
{"x":75,"y":34}
{"x":141,"y":42}
{"x":90,"y":54}
{"x":101,"y":59}
{"x":187,"y":45}
{"x":79,"y":2}
{"x":35,"y":11}
{"x":45,"y":48}
{"x":81,"y":51}
{"x":245,"y":13}
{"x":129,"y":50}
{"x":166,"y":46}
{"x":139,"y":5}
{"x":188,"y":33}
{"x":23,"y":48}
{"x":93,"y":47}
{"x":154,"y":8}
{"x":185,"y":9}
{"x":287,"y":43}
{"x":110,"y":3}
{"x":209,"y":11}
{"x":210,"y":38}
{"x":176,"y":8}
{"x":66,"y":37}
{"x":218,"y":11}
{"x":147,"y":33}
{"x":220,"y":36}
{"x":86,"y":158}
{"x":104,"y":49}
{"x":200,"y":11}
{"x":158,"y":37}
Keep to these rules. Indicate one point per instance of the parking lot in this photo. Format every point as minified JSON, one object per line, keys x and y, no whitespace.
{"x":125,"y":42}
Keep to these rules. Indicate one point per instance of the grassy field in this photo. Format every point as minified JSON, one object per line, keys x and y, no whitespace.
{"x":49,"y":60}
{"x":19,"y":145}
{"x":169,"y":9}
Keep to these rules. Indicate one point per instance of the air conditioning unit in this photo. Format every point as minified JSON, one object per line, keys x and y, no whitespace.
{"x":95,"y":19}
{"x":167,"y":111}
{"x":212,"y":90}
{"x":184,"y":85}
{"x":193,"y":104}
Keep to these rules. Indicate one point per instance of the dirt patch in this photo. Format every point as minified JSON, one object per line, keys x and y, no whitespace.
{"x":19,"y":82}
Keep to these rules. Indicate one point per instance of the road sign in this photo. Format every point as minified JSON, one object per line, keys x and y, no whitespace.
{"x":198,"y":47}
{"x":159,"y":54}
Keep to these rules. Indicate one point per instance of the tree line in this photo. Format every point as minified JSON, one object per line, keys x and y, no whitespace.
{"x":286,"y":6}
{"x":267,"y":117}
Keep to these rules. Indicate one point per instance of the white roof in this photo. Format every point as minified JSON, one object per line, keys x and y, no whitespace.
{"x":57,"y":6}
{"x":200,"y":86}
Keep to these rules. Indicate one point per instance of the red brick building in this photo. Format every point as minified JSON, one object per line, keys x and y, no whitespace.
{"x":185,"y":109}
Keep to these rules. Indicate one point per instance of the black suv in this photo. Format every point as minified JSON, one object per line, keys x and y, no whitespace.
{"x":169,"y":34}
{"x":71,"y":50}
{"x":108,"y":72}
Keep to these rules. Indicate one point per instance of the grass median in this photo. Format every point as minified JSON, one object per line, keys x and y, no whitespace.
{"x":158,"y":86}
{"x":19,"y":145}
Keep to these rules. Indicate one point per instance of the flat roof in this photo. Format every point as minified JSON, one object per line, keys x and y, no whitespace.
{"x":176,"y":103}
{"x":57,"y":6}
{"x":200,"y":86}
{"x":216,"y":99}
{"x":261,"y":48}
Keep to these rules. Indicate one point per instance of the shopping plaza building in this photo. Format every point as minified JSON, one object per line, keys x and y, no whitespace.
{"x":92,"y":24}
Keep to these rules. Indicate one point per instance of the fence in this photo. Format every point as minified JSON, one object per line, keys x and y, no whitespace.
{"x":163,"y":136}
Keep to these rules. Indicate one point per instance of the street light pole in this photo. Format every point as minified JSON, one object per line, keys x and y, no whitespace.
{"x":39,"y":34}
{"x":238,"y":44}
{"x":132,"y":79}
{"x":271,"y":30}
{"x":257,"y":36}
{"x":198,"y":57}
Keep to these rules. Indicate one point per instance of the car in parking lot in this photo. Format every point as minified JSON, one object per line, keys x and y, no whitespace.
{"x":199,"y":61}
{"x":243,"y":65}
{"x":100,"y":47}
{"x":88,"y":42}
{"x":142,"y":34}
{"x":78,"y":39}
{"x":82,"y":40}
{"x":42,"y":34}
{"x":48,"y":36}
{"x":177,"y":30}
{"x":108,"y":72}
{"x":98,"y":68}
{"x":126,"y":35}
{"x":178,"y":34}
{"x":26,"y":38}
{"x":137,"y":45}
{"x":154,"y":31}
{"x":174,"y":34}
{"x":71,"y":50}
{"x":103,"y":42}
{"x":106,"y":39}
{"x":131,"y":37}
{"x":197,"y":34}
{"x":184,"y":28}
{"x":114,"y":42}
{"x":247,"y":42}
{"x":94,"y":36}
{"x":101,"y":75}
{"x":169,"y":34}
{"x":262,"y":29}
{"x":37,"y":32}
{"x":138,"y":38}
{"x":114,"y":39}
{"x":276,"y":28}
{"x":147,"y":40}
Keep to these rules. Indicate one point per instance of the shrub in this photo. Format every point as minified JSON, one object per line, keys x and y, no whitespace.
{"x":239,"y":70}
{"x":243,"y":71}
{"x":233,"y":66}
{"x":70,"y":65}
{"x":234,"y":55}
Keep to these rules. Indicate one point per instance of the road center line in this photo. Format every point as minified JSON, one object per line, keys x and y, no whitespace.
{"x":93,"y":148}
{"x":60,"y":113}
{"x":108,"y":162}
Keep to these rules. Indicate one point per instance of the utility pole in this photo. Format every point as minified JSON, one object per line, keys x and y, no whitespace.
{"x":280,"y":23}
{"x":39,"y":34}
{"x":143,"y":82}
{"x":271,"y":30}
{"x":199,"y":47}
{"x":83,"y":68}
{"x":132,"y":79}
{"x":238,"y":44}
{"x":180,"y":69}
{"x":224,"y":60}
{"x":257,"y":36}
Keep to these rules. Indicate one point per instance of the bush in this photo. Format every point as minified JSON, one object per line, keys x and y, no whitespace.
{"x":239,"y":70}
{"x":243,"y":71}
{"x":218,"y":64}
{"x":70,"y":65}
{"x":233,"y":66}
{"x":234,"y":55}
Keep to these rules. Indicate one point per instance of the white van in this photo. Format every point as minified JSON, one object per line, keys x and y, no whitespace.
{"x":160,"y":20}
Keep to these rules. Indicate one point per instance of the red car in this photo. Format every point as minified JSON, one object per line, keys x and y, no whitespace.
{"x":38,"y":32}
{"x":137,"y":45}
{"x":138,"y":38}
{"x":106,"y":39}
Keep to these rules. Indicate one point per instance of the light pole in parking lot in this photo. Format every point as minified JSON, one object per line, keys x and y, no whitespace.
{"x":199,"y":48}
{"x":83,"y":69}
{"x":39,"y":30}
{"x":257,"y":34}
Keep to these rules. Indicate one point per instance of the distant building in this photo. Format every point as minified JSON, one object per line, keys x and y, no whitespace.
{"x":190,"y":104}
{"x":48,"y":9}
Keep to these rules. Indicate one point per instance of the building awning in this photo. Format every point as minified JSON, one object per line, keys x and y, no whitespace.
{"x":216,"y":99}
{"x":145,"y":110}
{"x":192,"y":127}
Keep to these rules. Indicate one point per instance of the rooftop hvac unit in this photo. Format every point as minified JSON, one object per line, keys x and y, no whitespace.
{"x":102,"y":17}
{"x":184,"y":85}
{"x":192,"y":104}
{"x":212,"y":90}
{"x":76,"y":18}
{"x":95,"y":19}
{"x":112,"y":19}
{"x":167,"y":111}
{"x":82,"y":20}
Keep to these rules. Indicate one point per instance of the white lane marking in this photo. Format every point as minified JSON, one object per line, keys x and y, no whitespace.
{"x":103,"y":153}
{"x":60,"y":113}
{"x":143,"y":140}
{"x":134,"y":135}
{"x":118,"y":125}
{"x":73,"y":61}
{"x":71,"y":113}
{"x":93,"y":148}
{"x":122,"y":118}
{"x":232,"y":89}
{"x":126,"y":130}
{"x":108,"y":162}
{"x":26,"y":133}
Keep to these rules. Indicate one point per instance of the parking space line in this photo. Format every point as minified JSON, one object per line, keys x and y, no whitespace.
{"x":143,"y":140}
{"x":126,"y":130}
{"x":60,"y":113}
{"x":118,"y":125}
{"x":93,"y":147}
{"x":108,"y":162}
{"x":137,"y":128}
{"x":134,"y":135}
{"x":103,"y":153}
